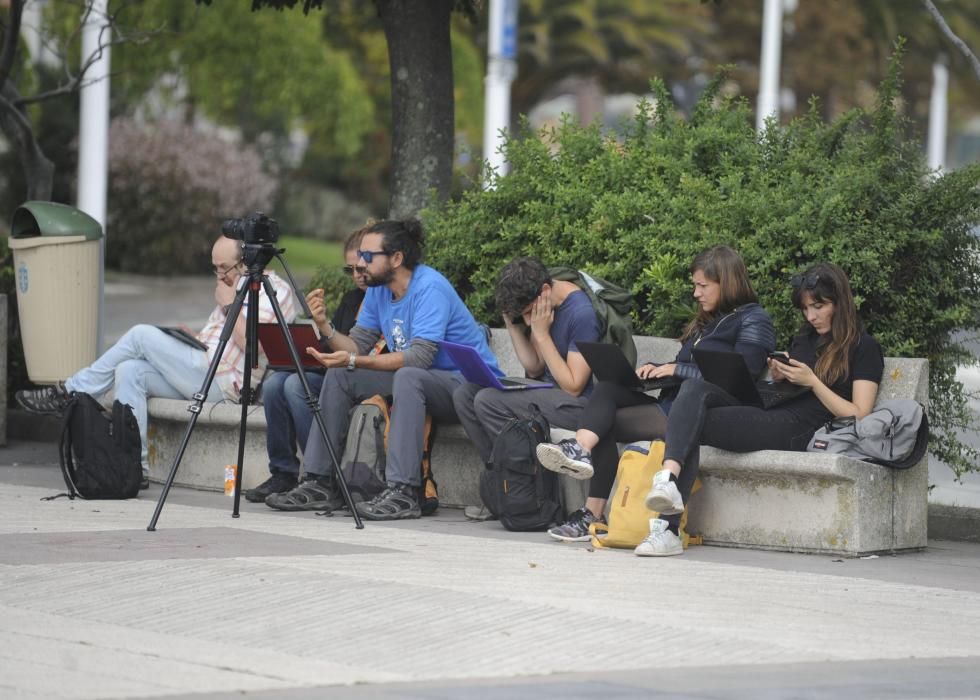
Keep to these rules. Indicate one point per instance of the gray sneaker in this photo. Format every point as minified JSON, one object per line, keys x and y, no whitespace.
{"x":576,"y":528}
{"x":48,"y":400}
{"x":396,"y":502}
{"x":478,"y":513}
{"x":310,"y":494}
{"x":567,"y":457}
{"x":661,"y":542}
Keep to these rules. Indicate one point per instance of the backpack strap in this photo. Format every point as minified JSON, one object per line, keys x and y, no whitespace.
{"x":64,"y":450}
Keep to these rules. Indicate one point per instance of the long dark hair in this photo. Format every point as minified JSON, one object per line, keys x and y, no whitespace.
{"x":825,"y":282}
{"x":725,"y":266}
{"x":405,"y":237}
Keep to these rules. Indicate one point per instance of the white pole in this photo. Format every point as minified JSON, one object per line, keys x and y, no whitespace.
{"x":501,"y":70}
{"x":938,"y":116}
{"x":93,"y":132}
{"x":769,"y":61}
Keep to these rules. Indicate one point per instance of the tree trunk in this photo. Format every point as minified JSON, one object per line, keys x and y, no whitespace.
{"x":38,"y":170}
{"x":422,"y":104}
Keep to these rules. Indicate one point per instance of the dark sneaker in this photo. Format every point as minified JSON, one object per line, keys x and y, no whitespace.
{"x":396,"y":502}
{"x":49,"y":400}
{"x":567,"y":457}
{"x":144,"y":483}
{"x":279,"y":482}
{"x":312,"y":493}
{"x":576,"y":528}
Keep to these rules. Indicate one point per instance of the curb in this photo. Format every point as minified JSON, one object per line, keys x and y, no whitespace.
{"x":956,"y":523}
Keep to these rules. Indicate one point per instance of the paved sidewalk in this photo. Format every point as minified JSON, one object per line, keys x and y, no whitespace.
{"x":275,"y":605}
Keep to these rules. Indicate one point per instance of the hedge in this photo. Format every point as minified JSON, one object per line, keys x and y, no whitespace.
{"x":855,"y":191}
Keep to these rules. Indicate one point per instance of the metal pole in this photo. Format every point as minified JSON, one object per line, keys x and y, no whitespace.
{"x":93,"y":133}
{"x":501,"y":70}
{"x":938,"y":116}
{"x":769,"y":62}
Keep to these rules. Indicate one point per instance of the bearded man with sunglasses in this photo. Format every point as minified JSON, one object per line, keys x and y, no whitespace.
{"x":148,"y":362}
{"x":415,"y":308}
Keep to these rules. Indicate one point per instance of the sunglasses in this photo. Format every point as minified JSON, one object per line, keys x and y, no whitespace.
{"x":351,"y":269}
{"x":368,"y":255}
{"x":808,"y":281}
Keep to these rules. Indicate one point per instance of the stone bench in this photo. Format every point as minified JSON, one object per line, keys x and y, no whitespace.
{"x":788,"y":501}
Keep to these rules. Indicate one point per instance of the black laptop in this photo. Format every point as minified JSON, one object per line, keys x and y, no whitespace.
{"x":728,"y":370}
{"x":609,"y":364}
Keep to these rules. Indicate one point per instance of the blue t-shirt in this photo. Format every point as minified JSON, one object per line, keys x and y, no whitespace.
{"x":575,"y":321}
{"x":431,"y":310}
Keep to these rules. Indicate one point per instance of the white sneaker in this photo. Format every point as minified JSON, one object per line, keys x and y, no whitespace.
{"x":664,"y":498}
{"x":567,"y":457}
{"x":661,"y":542}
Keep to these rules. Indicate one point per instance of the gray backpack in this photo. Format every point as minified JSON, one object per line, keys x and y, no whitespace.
{"x":895,"y":434}
{"x":363,"y":461}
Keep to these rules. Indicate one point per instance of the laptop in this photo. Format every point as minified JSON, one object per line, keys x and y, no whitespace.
{"x":184,"y":337}
{"x":277,"y":352}
{"x":475,"y":369}
{"x":727,"y":370}
{"x":609,"y":364}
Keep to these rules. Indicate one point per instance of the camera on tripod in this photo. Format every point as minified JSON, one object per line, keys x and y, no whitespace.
{"x":258,"y":234}
{"x":254,"y":229}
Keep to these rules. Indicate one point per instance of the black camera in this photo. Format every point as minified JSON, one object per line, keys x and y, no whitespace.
{"x":254,"y":229}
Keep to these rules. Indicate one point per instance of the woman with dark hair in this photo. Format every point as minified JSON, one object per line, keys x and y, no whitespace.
{"x":728,"y":318}
{"x":832,"y":355}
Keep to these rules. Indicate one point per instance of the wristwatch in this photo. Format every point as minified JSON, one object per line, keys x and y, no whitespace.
{"x":351,"y":366}
{"x":333,"y":331}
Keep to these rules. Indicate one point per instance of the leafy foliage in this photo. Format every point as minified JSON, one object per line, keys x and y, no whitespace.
{"x":853,"y":191}
{"x":170,"y":188}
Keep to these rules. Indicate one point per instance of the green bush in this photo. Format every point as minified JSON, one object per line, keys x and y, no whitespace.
{"x":855,"y":192}
{"x":335,"y":285}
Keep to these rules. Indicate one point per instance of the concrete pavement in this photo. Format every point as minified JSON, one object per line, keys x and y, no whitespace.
{"x":300,"y":606}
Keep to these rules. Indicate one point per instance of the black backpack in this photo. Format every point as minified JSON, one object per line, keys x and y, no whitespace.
{"x":100,"y":451}
{"x":514,"y":486}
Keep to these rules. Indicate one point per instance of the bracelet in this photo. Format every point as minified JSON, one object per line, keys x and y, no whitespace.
{"x":351,"y":362}
{"x":333,"y":331}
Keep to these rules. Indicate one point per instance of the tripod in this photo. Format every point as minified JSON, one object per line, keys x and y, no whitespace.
{"x":255,"y":256}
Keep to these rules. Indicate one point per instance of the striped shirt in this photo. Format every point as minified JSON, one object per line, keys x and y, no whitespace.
{"x":231,"y":369}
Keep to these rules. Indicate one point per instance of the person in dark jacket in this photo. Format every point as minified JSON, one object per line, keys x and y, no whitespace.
{"x":832,"y":355}
{"x":728,"y":318}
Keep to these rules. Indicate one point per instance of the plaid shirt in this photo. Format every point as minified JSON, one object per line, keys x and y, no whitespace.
{"x":231,"y":369}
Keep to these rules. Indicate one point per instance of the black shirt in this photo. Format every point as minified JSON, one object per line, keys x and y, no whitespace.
{"x":866,"y":363}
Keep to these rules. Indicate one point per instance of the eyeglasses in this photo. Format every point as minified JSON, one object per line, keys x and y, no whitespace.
{"x":368,"y":255}
{"x":222,"y":270}
{"x":349,"y":269}
{"x":808,"y":281}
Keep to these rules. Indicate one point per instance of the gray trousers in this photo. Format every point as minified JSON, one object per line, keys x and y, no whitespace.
{"x":485,"y":411}
{"x":414,"y":392}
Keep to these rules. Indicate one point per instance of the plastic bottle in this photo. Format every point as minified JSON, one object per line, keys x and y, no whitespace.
{"x":230,"y":471}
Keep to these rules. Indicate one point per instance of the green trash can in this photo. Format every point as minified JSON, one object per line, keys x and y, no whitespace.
{"x":56,"y":266}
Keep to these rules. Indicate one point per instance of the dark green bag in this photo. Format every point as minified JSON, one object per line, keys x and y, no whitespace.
{"x":612,"y":306}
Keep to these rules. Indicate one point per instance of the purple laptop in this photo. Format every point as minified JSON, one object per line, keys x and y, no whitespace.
{"x":475,"y":370}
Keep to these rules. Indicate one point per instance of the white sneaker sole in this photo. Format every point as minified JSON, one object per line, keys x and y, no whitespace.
{"x":662,"y":503}
{"x":564,"y":538}
{"x":653,"y":553}
{"x":553,"y":459}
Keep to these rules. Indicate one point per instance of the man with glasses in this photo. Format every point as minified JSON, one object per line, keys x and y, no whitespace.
{"x":414,"y":307}
{"x":147,"y":362}
{"x":287,"y":414}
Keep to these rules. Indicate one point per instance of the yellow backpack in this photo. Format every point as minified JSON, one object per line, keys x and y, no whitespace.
{"x":629,"y":518}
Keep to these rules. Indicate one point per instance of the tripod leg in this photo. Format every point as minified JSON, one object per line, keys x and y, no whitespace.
{"x":251,"y":356}
{"x":313,"y":402}
{"x":195,"y":409}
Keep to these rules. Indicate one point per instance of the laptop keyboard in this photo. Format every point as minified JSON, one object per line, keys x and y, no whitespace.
{"x":518,"y":381}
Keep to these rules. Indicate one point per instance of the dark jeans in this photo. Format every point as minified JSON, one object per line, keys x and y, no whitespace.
{"x":618,"y":414}
{"x":703,"y":414}
{"x":288,"y":417}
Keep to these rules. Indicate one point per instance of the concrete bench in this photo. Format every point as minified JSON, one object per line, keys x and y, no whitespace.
{"x":787,"y":501}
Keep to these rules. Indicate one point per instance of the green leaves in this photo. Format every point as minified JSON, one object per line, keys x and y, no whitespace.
{"x":854,"y":192}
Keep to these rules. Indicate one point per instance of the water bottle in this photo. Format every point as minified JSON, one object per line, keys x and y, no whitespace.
{"x":230,"y":471}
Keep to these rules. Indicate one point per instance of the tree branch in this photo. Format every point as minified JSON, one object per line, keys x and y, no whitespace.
{"x":957,"y":42}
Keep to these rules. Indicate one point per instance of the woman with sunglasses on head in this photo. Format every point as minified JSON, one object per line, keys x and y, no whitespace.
{"x":832,"y":355}
{"x":728,"y":318}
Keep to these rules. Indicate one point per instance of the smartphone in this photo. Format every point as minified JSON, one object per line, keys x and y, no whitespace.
{"x":779,"y":357}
